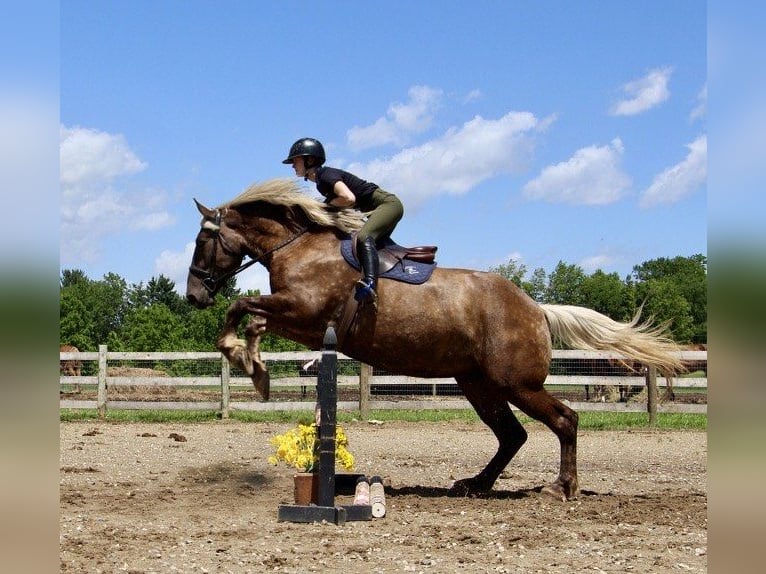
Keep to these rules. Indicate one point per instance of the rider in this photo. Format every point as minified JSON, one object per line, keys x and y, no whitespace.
{"x":343,"y":189}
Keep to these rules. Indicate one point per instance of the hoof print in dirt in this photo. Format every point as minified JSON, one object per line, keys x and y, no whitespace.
{"x":177,"y":437}
{"x":147,"y":434}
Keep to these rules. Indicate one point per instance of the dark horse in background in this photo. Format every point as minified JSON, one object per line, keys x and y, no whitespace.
{"x":474,"y":326}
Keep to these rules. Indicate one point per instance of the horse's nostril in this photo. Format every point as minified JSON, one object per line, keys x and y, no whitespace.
{"x":191,"y":298}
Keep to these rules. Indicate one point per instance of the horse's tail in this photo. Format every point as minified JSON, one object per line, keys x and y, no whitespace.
{"x":586,"y":329}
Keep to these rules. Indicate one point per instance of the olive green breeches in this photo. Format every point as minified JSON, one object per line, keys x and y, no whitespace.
{"x":384,"y":210}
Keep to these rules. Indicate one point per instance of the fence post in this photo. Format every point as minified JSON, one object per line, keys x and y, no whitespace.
{"x":101,"y":397}
{"x":651,"y":394}
{"x":365,"y":374}
{"x":225,"y":389}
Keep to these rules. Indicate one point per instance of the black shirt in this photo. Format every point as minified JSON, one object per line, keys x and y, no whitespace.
{"x":327,"y":177}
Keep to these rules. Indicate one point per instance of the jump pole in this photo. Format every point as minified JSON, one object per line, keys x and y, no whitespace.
{"x":327,"y":395}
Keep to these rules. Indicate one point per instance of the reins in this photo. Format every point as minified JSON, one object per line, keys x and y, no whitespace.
{"x":210,"y":281}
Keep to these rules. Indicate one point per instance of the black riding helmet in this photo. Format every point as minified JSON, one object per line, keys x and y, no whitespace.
{"x":308,"y":148}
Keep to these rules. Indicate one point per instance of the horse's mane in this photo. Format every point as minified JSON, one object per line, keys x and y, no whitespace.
{"x":283,"y":191}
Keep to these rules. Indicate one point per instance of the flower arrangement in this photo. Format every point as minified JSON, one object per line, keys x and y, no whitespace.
{"x":299,"y":448}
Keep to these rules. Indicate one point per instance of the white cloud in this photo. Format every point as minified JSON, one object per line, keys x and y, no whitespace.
{"x":700,"y":110}
{"x":151,"y":221}
{"x":680,"y":180}
{"x":459,"y":160}
{"x":592,"y":176}
{"x":644,"y":93}
{"x":472,"y":96}
{"x":175,"y":266}
{"x":93,"y":205}
{"x":401,"y":121}
{"x":91,"y":156}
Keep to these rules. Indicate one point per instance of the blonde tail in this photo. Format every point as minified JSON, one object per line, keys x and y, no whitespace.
{"x":586,"y":329}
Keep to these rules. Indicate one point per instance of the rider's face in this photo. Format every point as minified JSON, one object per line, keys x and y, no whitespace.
{"x":299,"y":165}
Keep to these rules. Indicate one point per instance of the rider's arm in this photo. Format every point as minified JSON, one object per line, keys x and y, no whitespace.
{"x":343,"y":196}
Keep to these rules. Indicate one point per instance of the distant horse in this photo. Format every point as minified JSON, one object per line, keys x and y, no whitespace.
{"x":474,"y":326}
{"x":608,"y":367}
{"x":70,"y":367}
{"x":690,"y":366}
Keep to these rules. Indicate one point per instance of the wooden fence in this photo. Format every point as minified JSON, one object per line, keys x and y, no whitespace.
{"x":411,"y":392}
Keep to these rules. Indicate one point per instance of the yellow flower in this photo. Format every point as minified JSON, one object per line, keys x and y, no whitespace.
{"x":299,"y":448}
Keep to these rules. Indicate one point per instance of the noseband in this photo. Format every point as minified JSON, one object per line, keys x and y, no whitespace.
{"x":209,"y":280}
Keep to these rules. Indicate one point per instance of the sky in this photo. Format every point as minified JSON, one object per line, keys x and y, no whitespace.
{"x":535,"y":132}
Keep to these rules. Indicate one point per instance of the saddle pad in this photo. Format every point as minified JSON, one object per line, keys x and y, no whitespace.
{"x":406,"y":271}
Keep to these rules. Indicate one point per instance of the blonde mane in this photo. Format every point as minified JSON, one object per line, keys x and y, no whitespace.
{"x":287,"y":192}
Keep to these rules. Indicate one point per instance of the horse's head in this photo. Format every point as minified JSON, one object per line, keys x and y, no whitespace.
{"x":217,"y":255}
{"x":263,"y":219}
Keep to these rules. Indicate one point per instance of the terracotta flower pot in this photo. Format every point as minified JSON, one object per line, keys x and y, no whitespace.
{"x":306,"y":488}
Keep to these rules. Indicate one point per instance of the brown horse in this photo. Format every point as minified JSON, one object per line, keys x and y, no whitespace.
{"x":71,"y":367}
{"x":474,"y":326}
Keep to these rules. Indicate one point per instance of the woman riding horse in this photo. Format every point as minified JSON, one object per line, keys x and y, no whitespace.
{"x":343,"y":189}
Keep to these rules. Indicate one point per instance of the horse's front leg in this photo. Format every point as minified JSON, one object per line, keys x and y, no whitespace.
{"x":245,"y":354}
{"x":260,"y":373}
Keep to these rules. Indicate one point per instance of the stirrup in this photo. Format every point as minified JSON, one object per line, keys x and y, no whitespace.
{"x":365,"y":292}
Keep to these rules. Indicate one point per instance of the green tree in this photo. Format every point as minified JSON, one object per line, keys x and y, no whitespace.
{"x":513,"y":271}
{"x":664,"y":301}
{"x":90,"y":310}
{"x":516,"y":272}
{"x":276,"y":344}
{"x":152,"y":328}
{"x":158,"y":290}
{"x":689,"y":276}
{"x":565,"y":285}
{"x":537,"y":285}
{"x":230,"y":291}
{"x":608,"y":294}
{"x":202,"y":326}
{"x":75,"y":327}
{"x":71,"y":277}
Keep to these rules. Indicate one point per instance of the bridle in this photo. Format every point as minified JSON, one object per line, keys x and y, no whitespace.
{"x":209,"y":280}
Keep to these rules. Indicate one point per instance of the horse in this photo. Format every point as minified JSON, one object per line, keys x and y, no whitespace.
{"x":475,"y":326}
{"x":71,"y":367}
{"x":690,"y":366}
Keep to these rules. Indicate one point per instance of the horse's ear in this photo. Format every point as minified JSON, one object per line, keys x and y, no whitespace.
{"x":205,"y":211}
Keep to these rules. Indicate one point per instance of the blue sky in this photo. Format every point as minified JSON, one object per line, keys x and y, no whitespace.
{"x":537,"y":132}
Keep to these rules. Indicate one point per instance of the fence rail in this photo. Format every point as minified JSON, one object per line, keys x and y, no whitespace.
{"x":293,"y":378}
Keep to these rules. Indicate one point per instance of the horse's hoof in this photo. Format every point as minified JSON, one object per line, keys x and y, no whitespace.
{"x":467,"y":487}
{"x":557,"y":491}
{"x":262,"y":383}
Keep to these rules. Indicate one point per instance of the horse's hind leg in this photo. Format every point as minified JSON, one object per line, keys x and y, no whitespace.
{"x":495,"y":412}
{"x":541,"y":405}
{"x":260,"y":374}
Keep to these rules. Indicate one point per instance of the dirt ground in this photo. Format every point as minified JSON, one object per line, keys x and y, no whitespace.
{"x":137,"y":498}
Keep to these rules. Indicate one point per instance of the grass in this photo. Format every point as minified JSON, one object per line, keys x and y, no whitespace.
{"x":595,"y":420}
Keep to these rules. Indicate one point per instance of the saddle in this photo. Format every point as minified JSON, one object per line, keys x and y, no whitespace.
{"x":391,"y":254}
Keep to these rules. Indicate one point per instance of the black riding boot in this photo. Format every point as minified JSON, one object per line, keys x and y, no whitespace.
{"x":367,"y":254}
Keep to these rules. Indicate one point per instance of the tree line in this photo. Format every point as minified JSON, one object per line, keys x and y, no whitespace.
{"x":152,"y":316}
